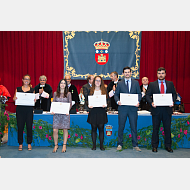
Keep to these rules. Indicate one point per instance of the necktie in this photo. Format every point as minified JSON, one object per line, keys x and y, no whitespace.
{"x":162,"y":88}
{"x":127,"y":86}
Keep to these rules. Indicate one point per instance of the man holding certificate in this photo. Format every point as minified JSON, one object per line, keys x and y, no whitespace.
{"x":127,"y":96}
{"x":161,"y":95}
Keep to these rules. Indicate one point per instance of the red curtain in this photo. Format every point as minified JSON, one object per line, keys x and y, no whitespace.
{"x":169,"y":49}
{"x":41,"y":53}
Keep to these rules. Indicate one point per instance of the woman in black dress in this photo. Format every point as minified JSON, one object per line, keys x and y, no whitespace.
{"x":97,"y":116}
{"x":24,"y":114}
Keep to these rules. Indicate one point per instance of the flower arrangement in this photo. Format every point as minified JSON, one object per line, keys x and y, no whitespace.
{"x":4,"y":118}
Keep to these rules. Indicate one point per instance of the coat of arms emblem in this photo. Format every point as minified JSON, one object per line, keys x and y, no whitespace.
{"x":108,"y":130}
{"x":101,"y":52}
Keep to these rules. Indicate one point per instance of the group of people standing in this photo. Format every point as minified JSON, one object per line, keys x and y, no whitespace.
{"x":97,"y":116}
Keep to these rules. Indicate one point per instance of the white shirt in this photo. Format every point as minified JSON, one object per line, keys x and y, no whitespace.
{"x":97,"y":92}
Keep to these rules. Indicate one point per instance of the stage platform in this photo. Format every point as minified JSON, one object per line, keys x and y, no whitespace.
{"x":80,"y":131}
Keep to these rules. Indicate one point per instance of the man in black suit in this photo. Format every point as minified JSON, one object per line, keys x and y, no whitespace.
{"x":144,"y":105}
{"x":161,"y":113}
{"x":43,"y":103}
{"x":86,"y":90}
{"x":111,"y":90}
{"x":74,"y":94}
{"x":127,"y":85}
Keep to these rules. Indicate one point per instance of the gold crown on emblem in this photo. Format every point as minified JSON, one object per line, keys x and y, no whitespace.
{"x":101,"y":45}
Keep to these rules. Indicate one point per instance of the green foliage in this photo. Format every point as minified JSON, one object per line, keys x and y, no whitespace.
{"x":4,"y":119}
{"x":42,"y":131}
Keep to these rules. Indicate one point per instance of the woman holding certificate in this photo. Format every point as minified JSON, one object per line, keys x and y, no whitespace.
{"x":61,"y":121}
{"x":24,"y":113}
{"x":97,"y":114}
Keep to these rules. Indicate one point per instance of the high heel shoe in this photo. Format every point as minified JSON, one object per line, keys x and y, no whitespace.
{"x":94,"y":147}
{"x":63,"y":151}
{"x":29,"y":147}
{"x":55,"y":150}
{"x":20,"y":147}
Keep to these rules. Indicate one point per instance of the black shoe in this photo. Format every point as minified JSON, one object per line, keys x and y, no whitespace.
{"x":169,"y":149}
{"x":93,"y":148}
{"x":102,"y":148}
{"x":154,"y":149}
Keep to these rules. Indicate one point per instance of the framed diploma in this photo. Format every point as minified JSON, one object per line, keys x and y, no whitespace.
{"x":25,"y":99}
{"x":97,"y":100}
{"x":60,"y":107}
{"x":128,"y":99}
{"x":163,"y":99}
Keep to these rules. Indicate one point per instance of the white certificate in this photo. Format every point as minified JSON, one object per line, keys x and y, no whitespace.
{"x":45,"y":95}
{"x":163,"y":99}
{"x":25,"y":99}
{"x":97,"y":100}
{"x":129,"y":99}
{"x":60,"y":107}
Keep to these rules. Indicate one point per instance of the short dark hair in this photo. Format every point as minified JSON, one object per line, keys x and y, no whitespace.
{"x":89,"y":77}
{"x":161,"y":69}
{"x":126,"y":68}
{"x":115,"y":73}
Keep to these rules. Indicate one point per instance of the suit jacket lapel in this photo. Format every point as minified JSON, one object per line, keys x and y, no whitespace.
{"x":131,"y":86}
{"x":157,"y":86}
{"x":166,"y":86}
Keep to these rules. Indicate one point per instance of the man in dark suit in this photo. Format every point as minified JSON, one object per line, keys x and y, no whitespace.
{"x":144,"y":105}
{"x":111,"y":90}
{"x":74,"y":94}
{"x":86,"y":90}
{"x":161,"y":113}
{"x":43,"y":103}
{"x":127,"y":85}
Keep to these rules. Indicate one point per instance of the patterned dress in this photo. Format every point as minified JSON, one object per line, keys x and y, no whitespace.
{"x":62,"y":121}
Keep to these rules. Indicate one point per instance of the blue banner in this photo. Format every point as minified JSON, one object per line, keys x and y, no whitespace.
{"x":100,"y":53}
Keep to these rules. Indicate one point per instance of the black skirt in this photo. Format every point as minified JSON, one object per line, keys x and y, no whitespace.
{"x":97,"y":116}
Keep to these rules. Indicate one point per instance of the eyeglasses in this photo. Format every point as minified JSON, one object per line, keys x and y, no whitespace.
{"x":98,"y":80}
{"x":42,"y":80}
{"x":26,"y":79}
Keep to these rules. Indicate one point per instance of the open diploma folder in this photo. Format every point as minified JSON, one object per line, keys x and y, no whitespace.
{"x":163,"y":99}
{"x":97,"y":100}
{"x":129,"y":99}
{"x":25,"y":99}
{"x":60,"y":107}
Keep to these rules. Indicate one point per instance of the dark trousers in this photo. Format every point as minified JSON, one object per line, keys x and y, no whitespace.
{"x":94,"y":133}
{"x":24,"y":116}
{"x":122,"y":118}
{"x":166,"y":120}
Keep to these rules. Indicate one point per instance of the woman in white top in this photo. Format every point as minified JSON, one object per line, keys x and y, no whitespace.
{"x":97,"y":116}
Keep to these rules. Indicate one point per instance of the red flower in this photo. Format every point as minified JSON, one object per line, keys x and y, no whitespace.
{"x":188,"y":122}
{"x":81,"y":137}
{"x":138,"y":137}
{"x":69,"y":136}
{"x":161,"y":128}
{"x":162,"y":132}
{"x":76,"y":135}
{"x":40,"y":127}
{"x":50,"y":138}
{"x":47,"y":135}
{"x":130,"y":135}
{"x":185,"y":132}
{"x":178,"y":136}
{"x":145,"y":139}
{"x":33,"y":127}
{"x":180,"y":129}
